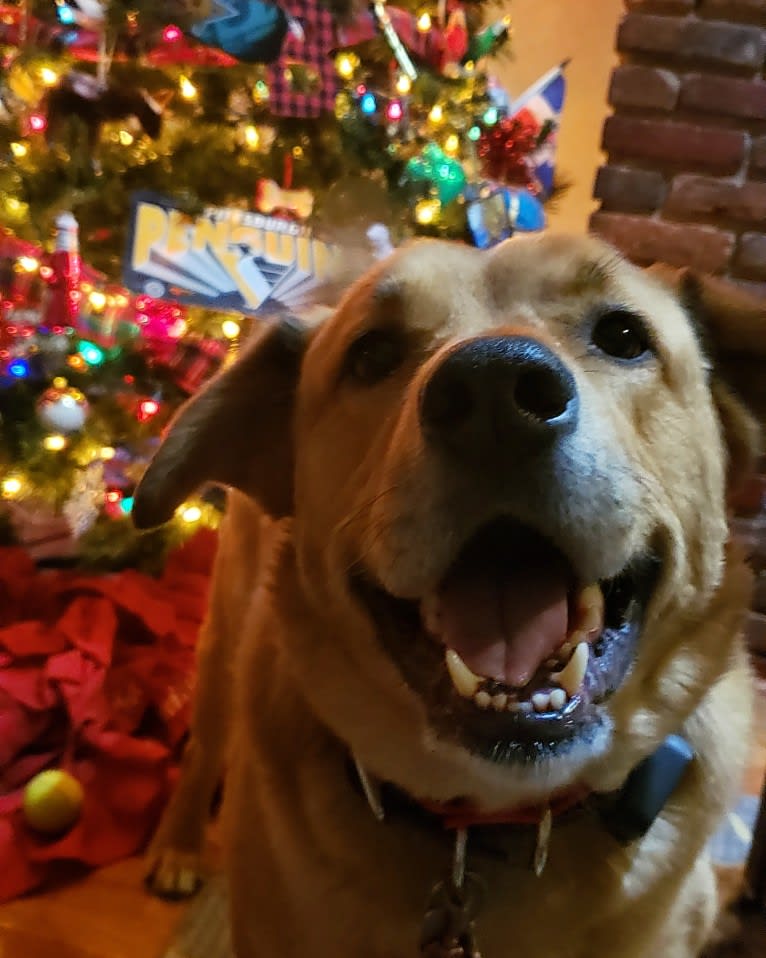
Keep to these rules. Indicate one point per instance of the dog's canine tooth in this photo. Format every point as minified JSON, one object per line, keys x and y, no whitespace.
{"x":541,"y":701}
{"x":571,"y":676}
{"x":483,"y":699}
{"x":499,"y":702}
{"x":558,"y":699}
{"x":513,"y":705}
{"x":464,"y":680}
{"x":564,"y":650}
{"x":590,"y":606}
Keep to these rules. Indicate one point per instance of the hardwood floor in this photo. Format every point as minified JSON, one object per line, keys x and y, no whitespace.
{"x":107,"y":914}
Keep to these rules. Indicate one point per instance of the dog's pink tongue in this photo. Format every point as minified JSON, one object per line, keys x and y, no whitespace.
{"x":505,"y":623}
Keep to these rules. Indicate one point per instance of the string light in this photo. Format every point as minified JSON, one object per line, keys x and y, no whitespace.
{"x":11,"y":487}
{"x":147,"y":408}
{"x":252,"y":137}
{"x":97,"y":300}
{"x":55,"y":442}
{"x":125,"y":138}
{"x":77,"y":363}
{"x":19,"y":368}
{"x":90,"y":353}
{"x":490,"y":116}
{"x":19,"y":150}
{"x":424,"y":22}
{"x":230,"y":328}
{"x":171,"y":33}
{"x":474,"y":133}
{"x":187,"y":88}
{"x":368,"y":104}
{"x":37,"y":122}
{"x":106,"y":453}
{"x":191,"y":513}
{"x":126,"y":506}
{"x":452,"y":144}
{"x":394,"y":111}
{"x":403,"y":84}
{"x":48,"y":76}
{"x":28,"y":264}
{"x":59,"y":382}
{"x":426,"y":211}
{"x":346,"y":64}
{"x":437,"y":113}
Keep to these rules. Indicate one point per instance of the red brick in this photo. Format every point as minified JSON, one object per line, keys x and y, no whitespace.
{"x":729,"y":96}
{"x":676,"y":144}
{"x":758,"y":155}
{"x":711,"y":42}
{"x":629,"y":190}
{"x":746,"y":11}
{"x":750,"y":261}
{"x":704,"y":196}
{"x":648,"y":241}
{"x":660,"y":6}
{"x":647,"y":87}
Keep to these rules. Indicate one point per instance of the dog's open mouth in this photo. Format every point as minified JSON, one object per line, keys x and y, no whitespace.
{"x":512,"y":653}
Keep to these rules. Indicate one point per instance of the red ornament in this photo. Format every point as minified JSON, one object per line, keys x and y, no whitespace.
{"x":505,"y":150}
{"x":63,"y":305}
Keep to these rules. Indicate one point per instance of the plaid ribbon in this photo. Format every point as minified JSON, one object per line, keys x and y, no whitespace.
{"x":314,"y":52}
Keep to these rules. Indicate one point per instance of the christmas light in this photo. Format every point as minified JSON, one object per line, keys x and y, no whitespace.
{"x":368,"y":104}
{"x":90,"y":352}
{"x":187,"y":88}
{"x":490,"y":116}
{"x":191,"y":513}
{"x":230,"y":328}
{"x":125,"y":138}
{"x":65,"y":14}
{"x":252,"y":137}
{"x":146,"y":409}
{"x":97,"y":300}
{"x":474,"y":133}
{"x":19,"y":368}
{"x":260,"y":91}
{"x":452,"y":144}
{"x":171,"y":33}
{"x":77,"y":363}
{"x":37,"y":122}
{"x":394,"y":111}
{"x":113,"y":496}
{"x":28,"y":264}
{"x":59,"y":382}
{"x":346,"y":64}
{"x":106,"y":453}
{"x":55,"y":442}
{"x":48,"y":76}
{"x":126,"y":506}
{"x":426,"y":211}
{"x":19,"y":150}
{"x":437,"y":113}
{"x":11,"y":487}
{"x":403,"y":84}
{"x":424,"y":22}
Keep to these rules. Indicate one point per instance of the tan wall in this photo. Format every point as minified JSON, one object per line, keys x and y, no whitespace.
{"x":544,"y":33}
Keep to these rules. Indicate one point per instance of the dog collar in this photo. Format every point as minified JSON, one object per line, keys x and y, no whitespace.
{"x":627,"y":814}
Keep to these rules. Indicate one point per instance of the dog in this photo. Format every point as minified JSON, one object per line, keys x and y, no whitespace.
{"x":476,"y":616}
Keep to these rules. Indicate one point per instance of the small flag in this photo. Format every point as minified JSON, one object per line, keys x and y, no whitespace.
{"x":543,"y":102}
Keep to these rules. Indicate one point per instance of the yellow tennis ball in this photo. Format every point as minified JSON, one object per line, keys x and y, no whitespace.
{"x":52,"y":801}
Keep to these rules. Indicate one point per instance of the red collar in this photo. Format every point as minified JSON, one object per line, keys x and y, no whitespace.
{"x":461,"y":814}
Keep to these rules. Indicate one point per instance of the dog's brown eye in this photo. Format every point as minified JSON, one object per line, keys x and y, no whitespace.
{"x":622,"y":334}
{"x":373,"y":356}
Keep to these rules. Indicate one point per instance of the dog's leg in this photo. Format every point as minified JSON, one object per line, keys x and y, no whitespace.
{"x":175,"y":857}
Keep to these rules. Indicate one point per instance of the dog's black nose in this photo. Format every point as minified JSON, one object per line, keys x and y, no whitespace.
{"x":493,"y":392}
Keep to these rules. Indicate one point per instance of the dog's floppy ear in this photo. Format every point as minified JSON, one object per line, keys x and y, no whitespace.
{"x":236,"y":431}
{"x":731,"y":325}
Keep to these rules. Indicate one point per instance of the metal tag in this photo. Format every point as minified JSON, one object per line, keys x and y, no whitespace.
{"x":447,"y":929}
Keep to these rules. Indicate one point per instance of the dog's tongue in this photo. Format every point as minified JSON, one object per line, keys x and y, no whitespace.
{"x":505,"y":622}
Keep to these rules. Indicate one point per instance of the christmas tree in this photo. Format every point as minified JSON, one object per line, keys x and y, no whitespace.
{"x":173,"y":173}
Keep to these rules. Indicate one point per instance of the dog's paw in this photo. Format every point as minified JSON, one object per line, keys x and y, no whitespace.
{"x":174,"y":875}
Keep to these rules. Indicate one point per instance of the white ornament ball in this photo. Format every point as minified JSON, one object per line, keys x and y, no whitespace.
{"x":62,"y":410}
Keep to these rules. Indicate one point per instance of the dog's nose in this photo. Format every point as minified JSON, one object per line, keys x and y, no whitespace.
{"x":491,"y":392}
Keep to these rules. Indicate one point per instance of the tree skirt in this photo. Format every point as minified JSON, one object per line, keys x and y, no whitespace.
{"x":96,"y":675}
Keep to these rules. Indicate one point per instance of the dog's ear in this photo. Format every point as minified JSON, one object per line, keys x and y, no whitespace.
{"x":236,"y":431}
{"x":731,"y":325}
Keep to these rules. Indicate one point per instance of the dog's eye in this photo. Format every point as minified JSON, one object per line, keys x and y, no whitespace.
{"x":622,"y":334}
{"x":373,"y":356}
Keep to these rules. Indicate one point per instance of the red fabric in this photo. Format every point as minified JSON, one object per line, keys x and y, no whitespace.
{"x":96,"y":677}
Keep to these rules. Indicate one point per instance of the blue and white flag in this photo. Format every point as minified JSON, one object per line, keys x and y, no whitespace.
{"x":543,"y":101}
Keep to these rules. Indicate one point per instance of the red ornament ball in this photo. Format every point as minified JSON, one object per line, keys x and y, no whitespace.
{"x":505,"y":149}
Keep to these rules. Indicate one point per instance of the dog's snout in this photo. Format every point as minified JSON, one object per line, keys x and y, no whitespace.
{"x":492,"y":391}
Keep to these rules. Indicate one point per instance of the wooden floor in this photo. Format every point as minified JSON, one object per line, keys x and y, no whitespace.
{"x":107,"y":914}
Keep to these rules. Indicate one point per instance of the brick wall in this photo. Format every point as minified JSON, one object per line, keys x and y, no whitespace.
{"x":684,"y":181}
{"x":685,"y":177}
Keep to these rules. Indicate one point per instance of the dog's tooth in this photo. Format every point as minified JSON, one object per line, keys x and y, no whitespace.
{"x":514,"y":705}
{"x":464,"y":680}
{"x":430,"y":613}
{"x":564,"y":650}
{"x":550,"y":664}
{"x":571,"y":676}
{"x":558,"y":699}
{"x":483,"y":699}
{"x":590,"y":605}
{"x":499,"y":702}
{"x":541,"y":701}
